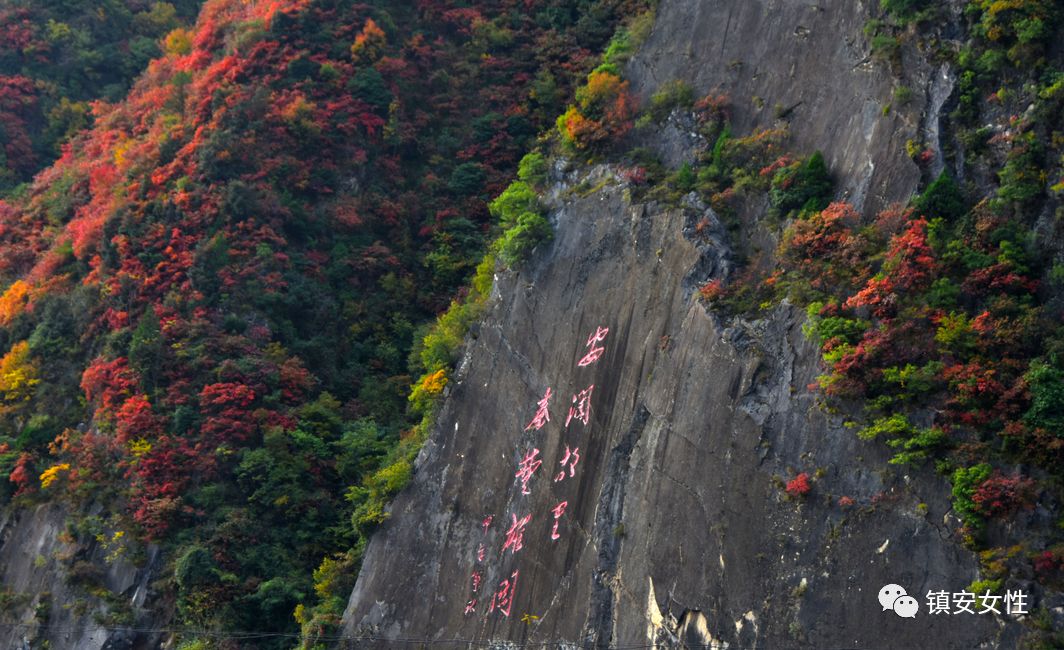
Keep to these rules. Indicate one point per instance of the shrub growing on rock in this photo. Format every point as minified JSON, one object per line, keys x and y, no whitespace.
{"x":799,"y":486}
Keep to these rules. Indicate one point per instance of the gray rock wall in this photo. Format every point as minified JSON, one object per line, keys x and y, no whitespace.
{"x":808,"y":61}
{"x":55,"y":611}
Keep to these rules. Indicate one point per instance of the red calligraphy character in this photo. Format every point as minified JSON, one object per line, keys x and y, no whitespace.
{"x":476,"y":577}
{"x":487,"y":522}
{"x":571,"y":458}
{"x":582,"y":409}
{"x":595,"y":352}
{"x":480,"y":553}
{"x":515,"y":537}
{"x":470,"y":607}
{"x":558,"y":511}
{"x":542,"y":416}
{"x":528,"y":465}
{"x":504,"y":595}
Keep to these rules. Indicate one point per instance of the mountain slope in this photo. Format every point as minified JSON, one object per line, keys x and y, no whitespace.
{"x":721,"y":498}
{"x":211,"y":299}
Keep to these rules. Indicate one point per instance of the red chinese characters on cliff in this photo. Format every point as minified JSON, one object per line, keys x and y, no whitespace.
{"x":477,"y":577}
{"x":542,"y":416}
{"x":581,"y":408}
{"x":595,"y":351}
{"x":558,"y":511}
{"x":571,"y":458}
{"x":530,"y":461}
{"x":504,"y":595}
{"x":515,"y":537}
{"x":526,"y":468}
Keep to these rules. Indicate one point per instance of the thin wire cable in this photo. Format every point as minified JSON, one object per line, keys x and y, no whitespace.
{"x":250,"y":635}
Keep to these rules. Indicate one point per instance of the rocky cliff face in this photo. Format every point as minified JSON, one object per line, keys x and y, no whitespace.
{"x":54,"y":588}
{"x":806,"y":63}
{"x":673,"y":526}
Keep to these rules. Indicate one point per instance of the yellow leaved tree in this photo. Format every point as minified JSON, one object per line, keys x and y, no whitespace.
{"x":19,"y":376}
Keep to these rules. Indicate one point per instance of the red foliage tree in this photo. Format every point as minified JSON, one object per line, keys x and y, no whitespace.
{"x":826,"y":247}
{"x":1002,"y":496}
{"x":224,"y":407}
{"x":108,"y":383}
{"x":799,"y":486}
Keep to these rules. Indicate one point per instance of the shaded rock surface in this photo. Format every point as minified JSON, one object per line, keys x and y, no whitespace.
{"x":51,"y":581}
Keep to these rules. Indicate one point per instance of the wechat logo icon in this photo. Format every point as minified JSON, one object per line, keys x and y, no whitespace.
{"x":895,"y":598}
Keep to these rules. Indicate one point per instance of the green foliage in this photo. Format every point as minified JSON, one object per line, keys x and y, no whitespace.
{"x":912,"y":382}
{"x":965,"y":480}
{"x":1023,"y":29}
{"x":684,"y":179}
{"x":533,"y":169}
{"x":368,"y":85}
{"x":886,"y":47}
{"x":981,"y":587}
{"x":625,"y":41}
{"x":1022,"y":179}
{"x":671,"y":95}
{"x":194,"y":569}
{"x":145,"y":349}
{"x":40,"y":430}
{"x":914,"y":444}
{"x":918,"y":447}
{"x":1055,"y":276}
{"x":1046,"y":383}
{"x":619,"y":49}
{"x":456,"y":245}
{"x":371,"y":499}
{"x":801,"y":188}
{"x":438,"y":349}
{"x":894,"y":426}
{"x":275,"y":599}
{"x":955,"y":333}
{"x":517,"y":199}
{"x":942,"y":198}
{"x":518,"y":242}
{"x":521,"y":215}
{"x":904,"y":10}
{"x":820,"y":328}
{"x":466,"y":179}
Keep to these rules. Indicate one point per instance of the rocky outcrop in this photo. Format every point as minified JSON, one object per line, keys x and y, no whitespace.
{"x":809,"y":65}
{"x":55,"y":589}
